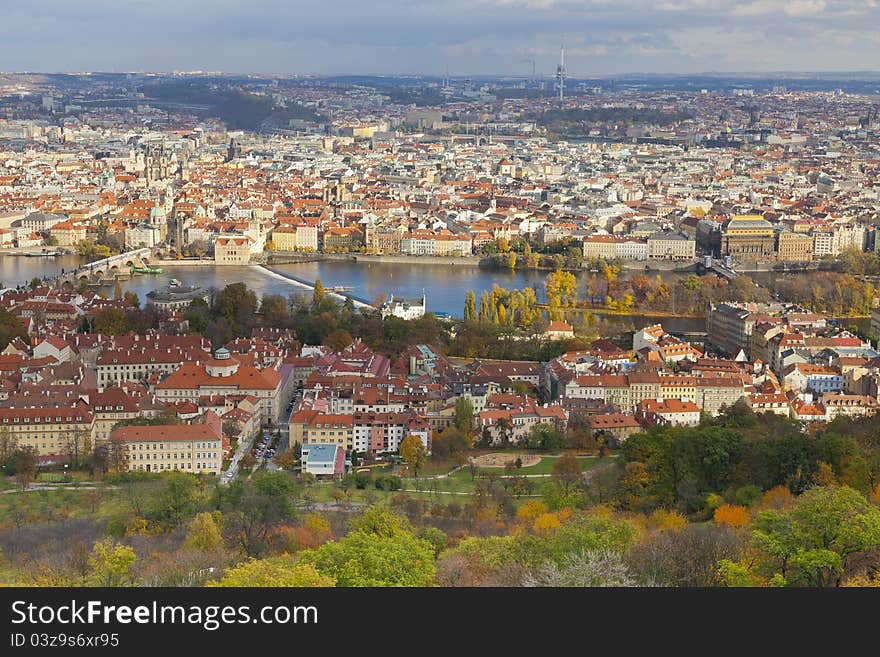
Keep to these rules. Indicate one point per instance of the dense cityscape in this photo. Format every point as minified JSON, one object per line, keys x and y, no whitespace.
{"x":625,"y":331}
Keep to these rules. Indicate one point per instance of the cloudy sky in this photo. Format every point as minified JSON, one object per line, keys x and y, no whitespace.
{"x":468,"y":37}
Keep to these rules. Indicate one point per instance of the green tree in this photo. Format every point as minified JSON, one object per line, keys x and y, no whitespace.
{"x":112,"y":321}
{"x":110,"y":564}
{"x":813,"y":542}
{"x":275,"y":311}
{"x":464,"y":414}
{"x":237,"y":305}
{"x":10,"y":328}
{"x":381,"y":551}
{"x":253,"y":509}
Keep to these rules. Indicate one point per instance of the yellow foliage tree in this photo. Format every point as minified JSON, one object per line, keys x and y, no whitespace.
{"x":530,"y":510}
{"x":731,"y":514}
{"x":274,"y":571}
{"x":203,"y":532}
{"x":663,"y":519}
{"x":825,"y":475}
{"x":546,"y":523}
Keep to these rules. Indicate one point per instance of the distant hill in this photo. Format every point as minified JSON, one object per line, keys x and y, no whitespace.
{"x":240,"y":110}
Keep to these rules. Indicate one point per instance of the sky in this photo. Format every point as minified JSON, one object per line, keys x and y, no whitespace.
{"x":463,"y":37}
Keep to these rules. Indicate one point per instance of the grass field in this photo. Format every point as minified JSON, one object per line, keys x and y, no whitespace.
{"x":458,"y":485}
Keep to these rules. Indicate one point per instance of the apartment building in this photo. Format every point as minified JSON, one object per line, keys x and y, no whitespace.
{"x":225,"y":375}
{"x":56,"y":432}
{"x":196,"y":448}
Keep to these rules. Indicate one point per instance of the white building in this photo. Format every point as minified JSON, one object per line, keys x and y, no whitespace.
{"x":404,"y":308}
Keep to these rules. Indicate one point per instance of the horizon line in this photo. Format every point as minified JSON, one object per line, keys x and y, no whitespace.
{"x":202,"y":72}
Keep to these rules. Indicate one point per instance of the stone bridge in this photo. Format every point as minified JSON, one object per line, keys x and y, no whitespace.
{"x":107,"y":270}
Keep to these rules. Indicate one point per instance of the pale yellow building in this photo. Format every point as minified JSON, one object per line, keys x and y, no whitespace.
{"x":163,"y":448}
{"x":51,"y":431}
{"x":232,"y":250}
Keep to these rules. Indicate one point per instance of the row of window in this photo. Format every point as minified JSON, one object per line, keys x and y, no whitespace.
{"x":178,"y":446}
{"x":45,"y":420}
{"x":200,"y":467}
{"x":171,"y":455}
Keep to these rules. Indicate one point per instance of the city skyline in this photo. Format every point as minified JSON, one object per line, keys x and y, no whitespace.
{"x":489,"y":37}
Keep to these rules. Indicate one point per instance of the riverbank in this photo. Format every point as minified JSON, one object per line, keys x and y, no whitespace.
{"x":276,"y":258}
{"x":185,"y":263}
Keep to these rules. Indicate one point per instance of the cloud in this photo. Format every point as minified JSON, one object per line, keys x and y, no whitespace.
{"x":468,"y":36}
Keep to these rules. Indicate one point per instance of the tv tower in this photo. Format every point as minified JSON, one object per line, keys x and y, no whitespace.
{"x":560,"y":74}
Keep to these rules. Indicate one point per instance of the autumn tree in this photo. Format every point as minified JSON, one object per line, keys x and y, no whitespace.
{"x":318,"y":294}
{"x":282,"y":571}
{"x":413,"y":452}
{"x":382,"y":550}
{"x":24,"y":462}
{"x":338,"y":340}
{"x":470,"y":306}
{"x":286,"y":460}
{"x":812,"y":543}
{"x":110,"y":564}
{"x":731,"y":514}
{"x":203,"y":532}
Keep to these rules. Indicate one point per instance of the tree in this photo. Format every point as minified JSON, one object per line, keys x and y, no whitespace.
{"x":10,"y":328}
{"x":275,"y":311}
{"x":252,"y":509}
{"x":24,"y":461}
{"x":381,"y":551}
{"x":338,"y":340}
{"x":274,"y":571}
{"x":237,"y":305}
{"x":110,"y":564}
{"x":567,"y":470}
{"x":131,"y":299}
{"x":318,"y":294}
{"x":464,"y":413}
{"x":176,"y":500}
{"x":112,"y":321}
{"x":36,"y":282}
{"x":286,"y":460}
{"x":470,"y":306}
{"x":203,"y":533}
{"x":731,"y":514}
{"x":812,"y":543}
{"x":232,"y":428}
{"x":594,"y":568}
{"x":544,"y":436}
{"x":413,"y":452}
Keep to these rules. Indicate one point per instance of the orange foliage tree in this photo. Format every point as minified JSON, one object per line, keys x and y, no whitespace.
{"x":732,"y":514}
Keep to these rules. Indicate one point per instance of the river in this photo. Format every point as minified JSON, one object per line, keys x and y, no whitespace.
{"x":444,"y":285}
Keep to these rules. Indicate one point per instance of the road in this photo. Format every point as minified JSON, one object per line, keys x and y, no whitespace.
{"x":244,"y":446}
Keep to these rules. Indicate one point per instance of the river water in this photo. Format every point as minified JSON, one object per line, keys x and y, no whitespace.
{"x":444,"y":285}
